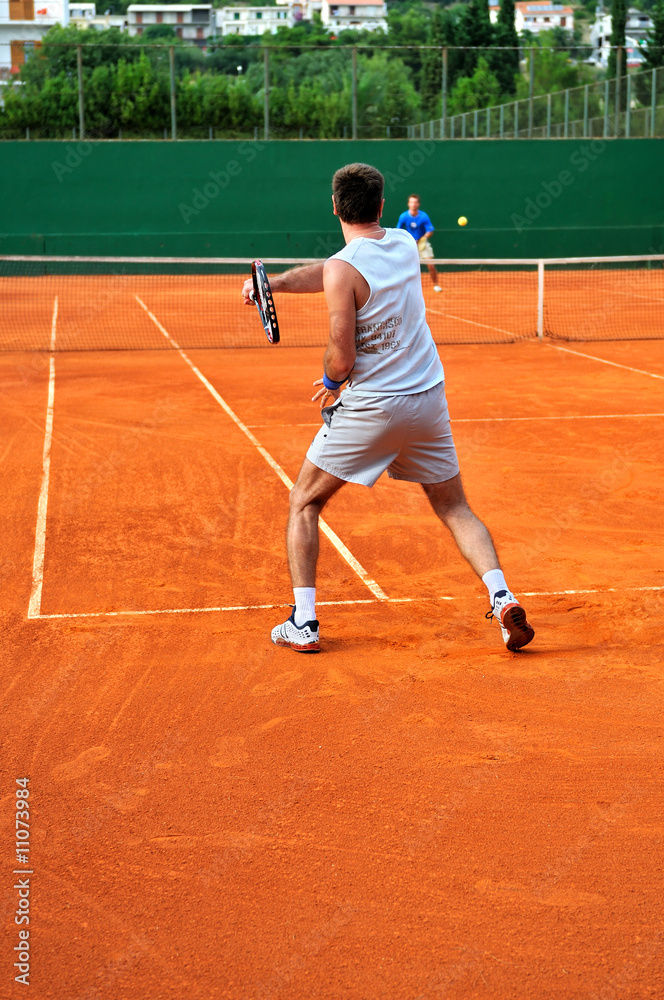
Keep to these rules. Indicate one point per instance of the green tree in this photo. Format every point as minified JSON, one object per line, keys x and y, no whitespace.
{"x":505,"y":62}
{"x":481,"y":90}
{"x":654,"y":53}
{"x":442,"y":32}
{"x":618,"y":22}
{"x":476,"y":32}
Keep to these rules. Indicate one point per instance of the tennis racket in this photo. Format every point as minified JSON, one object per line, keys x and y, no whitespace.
{"x":262,"y":296}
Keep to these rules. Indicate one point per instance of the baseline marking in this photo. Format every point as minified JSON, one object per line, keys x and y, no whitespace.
{"x":34,"y":605}
{"x":603,"y":361}
{"x":327,"y":530}
{"x":387,"y":600}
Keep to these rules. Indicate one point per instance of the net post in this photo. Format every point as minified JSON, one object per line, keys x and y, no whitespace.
{"x":653,"y":103}
{"x":443,"y":110}
{"x":81,"y":110}
{"x":354,"y":109}
{"x":618,"y":83}
{"x":266,"y":94}
{"x":540,"y":300}
{"x":171,"y":63}
{"x":531,"y":91}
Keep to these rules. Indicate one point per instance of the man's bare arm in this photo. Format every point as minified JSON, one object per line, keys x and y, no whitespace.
{"x":308,"y":278}
{"x":340,"y":280}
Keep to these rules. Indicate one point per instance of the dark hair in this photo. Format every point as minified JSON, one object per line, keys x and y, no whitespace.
{"x":358,"y":192}
{"x":414,"y":196}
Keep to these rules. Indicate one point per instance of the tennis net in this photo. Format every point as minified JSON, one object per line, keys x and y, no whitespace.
{"x":142,"y":303}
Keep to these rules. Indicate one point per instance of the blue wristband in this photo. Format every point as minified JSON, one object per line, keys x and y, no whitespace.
{"x":330,"y":384}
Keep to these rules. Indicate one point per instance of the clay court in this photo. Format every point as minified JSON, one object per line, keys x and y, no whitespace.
{"x":412,"y":814}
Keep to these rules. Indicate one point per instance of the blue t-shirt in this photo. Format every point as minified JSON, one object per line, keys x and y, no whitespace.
{"x":417,"y":225}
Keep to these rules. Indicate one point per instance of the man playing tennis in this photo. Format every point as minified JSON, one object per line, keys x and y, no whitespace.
{"x":393,"y":415}
{"x":418,"y":224}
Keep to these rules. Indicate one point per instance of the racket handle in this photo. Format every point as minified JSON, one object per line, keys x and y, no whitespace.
{"x":252,"y":297}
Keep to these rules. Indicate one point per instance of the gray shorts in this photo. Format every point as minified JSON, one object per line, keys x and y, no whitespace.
{"x":410,"y":436}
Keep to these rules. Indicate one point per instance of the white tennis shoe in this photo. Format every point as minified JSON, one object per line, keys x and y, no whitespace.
{"x":512,"y":620}
{"x":303,"y":638}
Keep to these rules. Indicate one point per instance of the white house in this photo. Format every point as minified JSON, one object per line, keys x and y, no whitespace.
{"x":636,"y":33}
{"x":536,"y":17}
{"x":370,"y":15}
{"x":253,"y":20}
{"x":193,"y":22}
{"x":23,"y":24}
{"x":84,"y":15}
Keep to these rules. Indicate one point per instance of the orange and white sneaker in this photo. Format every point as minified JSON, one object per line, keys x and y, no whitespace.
{"x":512,"y":620}
{"x":302,"y":638}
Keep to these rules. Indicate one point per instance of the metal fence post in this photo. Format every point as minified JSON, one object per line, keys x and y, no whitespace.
{"x":531,"y":91}
{"x":354,"y":75}
{"x":174,"y":119}
{"x":585,"y":111}
{"x":606,"y":109}
{"x":266,"y":93}
{"x":516,"y":119}
{"x":488,"y":123}
{"x":628,"y":110}
{"x":81,"y":110}
{"x":653,"y":103}
{"x":548,"y":116}
{"x":618,"y":95}
{"x":463,"y":125}
{"x":566,"y":132}
{"x":443,"y":109}
{"x":452,"y":127}
{"x":502,"y":120}
{"x":476,"y":116}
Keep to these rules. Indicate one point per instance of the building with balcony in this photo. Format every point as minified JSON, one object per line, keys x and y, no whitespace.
{"x":254,"y":20}
{"x":638,"y":24}
{"x":192,"y":22}
{"x":23,"y":24}
{"x":367,"y":15}
{"x":537,"y":17}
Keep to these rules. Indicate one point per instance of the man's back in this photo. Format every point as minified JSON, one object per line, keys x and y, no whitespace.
{"x":395,"y":350}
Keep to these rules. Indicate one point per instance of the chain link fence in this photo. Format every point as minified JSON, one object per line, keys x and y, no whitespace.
{"x":261,"y":92}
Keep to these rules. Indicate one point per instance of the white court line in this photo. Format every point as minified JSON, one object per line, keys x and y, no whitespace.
{"x":34,"y":605}
{"x":603,"y":361}
{"x":485,"y":326}
{"x":344,"y":552}
{"x":388,"y":600}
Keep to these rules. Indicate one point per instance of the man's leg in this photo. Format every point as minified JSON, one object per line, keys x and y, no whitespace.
{"x":476,"y":546}
{"x":313,"y":489}
{"x":434,"y":277}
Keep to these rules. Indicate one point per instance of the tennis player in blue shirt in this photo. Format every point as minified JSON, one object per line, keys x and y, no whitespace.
{"x":418,"y":224}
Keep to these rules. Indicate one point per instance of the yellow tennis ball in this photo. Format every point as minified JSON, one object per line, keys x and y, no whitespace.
{"x":462,"y":220}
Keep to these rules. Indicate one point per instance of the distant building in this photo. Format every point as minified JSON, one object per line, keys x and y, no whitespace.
{"x":192,"y":22}
{"x":84,"y":15}
{"x":23,"y":24}
{"x":536,"y":17}
{"x":367,"y":15}
{"x":636,"y":33}
{"x":254,"y":20}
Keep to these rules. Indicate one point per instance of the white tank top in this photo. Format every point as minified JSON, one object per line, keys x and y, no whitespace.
{"x":395,"y":351}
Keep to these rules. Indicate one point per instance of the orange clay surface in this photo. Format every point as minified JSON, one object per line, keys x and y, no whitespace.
{"x":413,"y":813}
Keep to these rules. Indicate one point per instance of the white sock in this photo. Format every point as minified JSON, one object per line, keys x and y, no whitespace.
{"x":305,"y":605}
{"x":494,"y":582}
